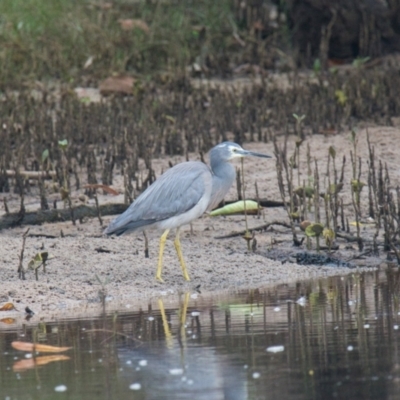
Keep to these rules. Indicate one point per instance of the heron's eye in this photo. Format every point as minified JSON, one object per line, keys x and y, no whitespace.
{"x":234,"y":150}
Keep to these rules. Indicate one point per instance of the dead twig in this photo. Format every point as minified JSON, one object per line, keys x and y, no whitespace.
{"x":21,"y":271}
{"x":146,"y":245}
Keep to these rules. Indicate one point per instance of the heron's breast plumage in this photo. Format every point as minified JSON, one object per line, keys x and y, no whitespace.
{"x":223,"y":177}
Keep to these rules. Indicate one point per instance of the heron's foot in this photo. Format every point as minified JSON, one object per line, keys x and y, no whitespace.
{"x":186,"y":275}
{"x":160,"y":257}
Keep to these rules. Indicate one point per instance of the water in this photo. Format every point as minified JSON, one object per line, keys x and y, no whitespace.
{"x":336,"y":338}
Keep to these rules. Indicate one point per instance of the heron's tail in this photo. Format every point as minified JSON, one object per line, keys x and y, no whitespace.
{"x":117,"y":232}
{"x":120,"y":227}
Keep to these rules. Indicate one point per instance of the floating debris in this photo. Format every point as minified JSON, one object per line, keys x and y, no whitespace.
{"x":135,"y":386}
{"x":33,"y":362}
{"x":256,"y":375}
{"x":275,"y":349}
{"x":143,"y":363}
{"x":8,"y":321}
{"x":8,"y":307}
{"x":60,"y":388}
{"x":176,"y":371}
{"x":302,"y":301}
{"x":31,"y":347}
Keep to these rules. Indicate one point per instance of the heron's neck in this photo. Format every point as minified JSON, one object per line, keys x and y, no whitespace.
{"x":224,"y":175}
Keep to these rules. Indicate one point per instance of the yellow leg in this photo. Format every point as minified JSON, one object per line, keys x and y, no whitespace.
{"x":167,"y":332}
{"x":180,"y":256}
{"x":183,"y":312}
{"x":160,"y":256}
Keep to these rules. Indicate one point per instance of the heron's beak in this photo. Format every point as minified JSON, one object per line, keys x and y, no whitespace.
{"x":247,"y":153}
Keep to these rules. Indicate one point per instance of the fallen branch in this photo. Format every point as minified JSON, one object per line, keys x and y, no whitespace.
{"x":50,"y":216}
{"x":358,"y":256}
{"x":32,"y":174}
{"x":348,"y":237}
{"x":256,"y":229}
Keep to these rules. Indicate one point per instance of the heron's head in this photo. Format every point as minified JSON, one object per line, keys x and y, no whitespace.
{"x":227,"y":151}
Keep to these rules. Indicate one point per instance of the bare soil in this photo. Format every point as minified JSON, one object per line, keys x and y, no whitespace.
{"x":71,"y":284}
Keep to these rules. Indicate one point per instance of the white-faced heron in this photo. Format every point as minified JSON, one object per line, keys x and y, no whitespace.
{"x":180,"y":195}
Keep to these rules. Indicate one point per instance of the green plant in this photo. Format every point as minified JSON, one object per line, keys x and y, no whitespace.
{"x":73,"y":39}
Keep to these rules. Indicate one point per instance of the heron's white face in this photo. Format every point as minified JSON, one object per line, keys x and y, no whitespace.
{"x":235,"y":152}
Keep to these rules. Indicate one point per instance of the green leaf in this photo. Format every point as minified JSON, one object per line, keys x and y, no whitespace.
{"x":341,"y":97}
{"x":332,"y":152}
{"x":295,"y":215}
{"x":38,"y":260}
{"x":299,"y":118}
{"x":62,"y":144}
{"x":309,"y":191}
{"x":237,"y":208}
{"x":45,"y":155}
{"x":329,"y":236}
{"x":357,"y":185}
{"x":313,"y":230}
{"x":170,"y":118}
{"x":334,"y":189}
{"x":317,"y":65}
{"x":360,"y":61}
{"x":85,"y":100}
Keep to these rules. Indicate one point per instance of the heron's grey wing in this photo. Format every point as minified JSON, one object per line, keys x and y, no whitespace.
{"x":176,"y":191}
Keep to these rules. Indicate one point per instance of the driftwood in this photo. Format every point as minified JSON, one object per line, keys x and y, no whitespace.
{"x":40,"y":217}
{"x":257,"y":228}
{"x":32,"y":174}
